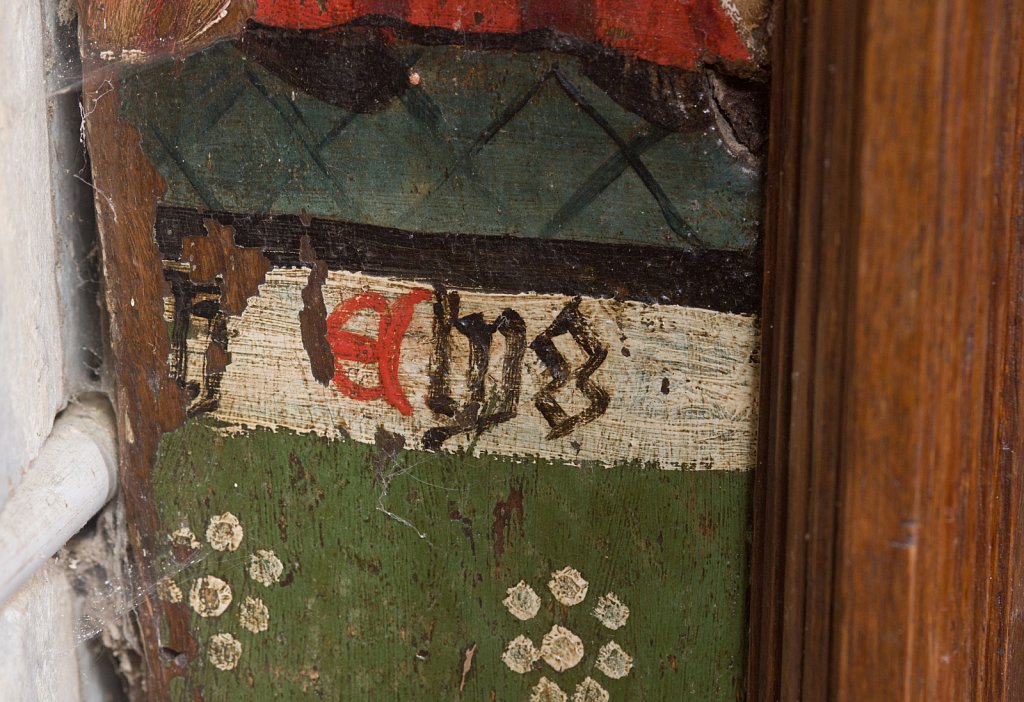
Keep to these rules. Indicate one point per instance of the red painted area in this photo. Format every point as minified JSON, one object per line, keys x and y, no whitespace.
{"x":466,"y":15}
{"x":670,"y":32}
{"x":384,"y":351}
{"x":675,"y":33}
{"x":576,"y":18}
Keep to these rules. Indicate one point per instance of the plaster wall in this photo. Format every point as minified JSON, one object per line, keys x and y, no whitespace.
{"x":37,"y":658}
{"x":31,"y":351}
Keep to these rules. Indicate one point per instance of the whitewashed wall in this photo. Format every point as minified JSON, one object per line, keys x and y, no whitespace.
{"x":38,"y":281}
{"x":31,"y":350}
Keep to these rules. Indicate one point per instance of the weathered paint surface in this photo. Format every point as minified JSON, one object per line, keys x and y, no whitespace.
{"x":684,"y":34}
{"x":463,"y":325}
{"x":645,"y":167}
{"x":397,"y":563}
{"x":669,"y":33}
{"x":671,"y":386}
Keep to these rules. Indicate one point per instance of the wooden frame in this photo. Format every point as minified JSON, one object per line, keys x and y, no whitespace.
{"x":887,"y":558}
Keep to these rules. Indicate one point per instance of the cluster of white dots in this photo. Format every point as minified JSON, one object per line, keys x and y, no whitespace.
{"x":211,"y":596}
{"x":561,"y":649}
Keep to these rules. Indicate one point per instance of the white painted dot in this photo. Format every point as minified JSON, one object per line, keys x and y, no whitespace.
{"x":185,"y":538}
{"x":254,"y":615}
{"x":613,"y":661}
{"x":224,"y":532}
{"x":209,"y":596}
{"x":568,"y":586}
{"x":547,"y":691}
{"x":168,"y":590}
{"x":520,"y":655}
{"x":561,"y":649}
{"x":225,"y":651}
{"x":611,"y":611}
{"x":265,"y":567}
{"x":522,"y":602}
{"x":590,"y":691}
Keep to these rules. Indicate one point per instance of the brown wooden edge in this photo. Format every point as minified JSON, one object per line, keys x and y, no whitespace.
{"x":115,"y":34}
{"x":147,"y":402}
{"x":886,"y":553}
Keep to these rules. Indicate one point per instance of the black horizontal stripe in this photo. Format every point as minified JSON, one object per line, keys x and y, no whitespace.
{"x":726,"y":281}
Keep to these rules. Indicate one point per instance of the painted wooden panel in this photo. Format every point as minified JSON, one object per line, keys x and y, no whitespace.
{"x":457,"y":314}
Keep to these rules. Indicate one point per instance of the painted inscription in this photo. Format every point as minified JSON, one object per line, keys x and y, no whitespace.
{"x":382,"y":351}
{"x":511,"y":374}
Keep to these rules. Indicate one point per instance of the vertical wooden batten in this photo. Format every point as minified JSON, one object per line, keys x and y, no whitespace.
{"x":886,"y":550}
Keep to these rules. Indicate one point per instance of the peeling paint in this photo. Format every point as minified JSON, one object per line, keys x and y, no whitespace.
{"x":185,"y":538}
{"x":265,"y":567}
{"x":520,"y":655}
{"x":467,"y":665}
{"x":568,"y":586}
{"x":611,"y":612}
{"x":209,"y":596}
{"x":313,"y":316}
{"x":225,"y":651}
{"x":613,"y":661}
{"x":254,"y":615}
{"x":168,"y":590}
{"x":506,"y":513}
{"x":522,"y":601}
{"x":224,"y":532}
{"x":561,"y":649}
{"x":216,"y":258}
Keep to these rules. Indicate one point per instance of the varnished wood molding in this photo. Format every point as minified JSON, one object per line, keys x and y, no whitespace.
{"x":886,"y":554}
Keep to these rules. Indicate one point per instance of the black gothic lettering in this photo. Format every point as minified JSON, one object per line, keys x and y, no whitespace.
{"x":570,"y":321}
{"x":480,"y":412}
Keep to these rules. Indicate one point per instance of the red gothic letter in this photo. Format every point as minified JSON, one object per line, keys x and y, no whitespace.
{"x":384,"y":351}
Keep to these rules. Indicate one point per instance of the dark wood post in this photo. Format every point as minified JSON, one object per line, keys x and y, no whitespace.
{"x":887,"y":556}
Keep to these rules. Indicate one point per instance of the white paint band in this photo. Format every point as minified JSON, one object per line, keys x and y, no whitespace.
{"x":682,"y":382}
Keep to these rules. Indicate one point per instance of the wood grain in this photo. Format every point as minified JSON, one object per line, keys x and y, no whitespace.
{"x":148,"y":402}
{"x":886,"y":560}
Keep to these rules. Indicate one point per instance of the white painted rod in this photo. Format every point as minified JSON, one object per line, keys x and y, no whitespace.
{"x":74,"y":475}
